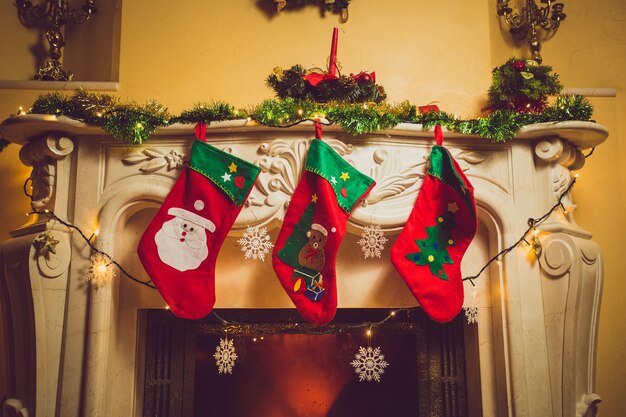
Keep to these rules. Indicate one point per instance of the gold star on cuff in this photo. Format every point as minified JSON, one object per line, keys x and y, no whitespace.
{"x":314,"y":198}
{"x":232,"y":167}
{"x":344,"y":176}
{"x":452,"y":207}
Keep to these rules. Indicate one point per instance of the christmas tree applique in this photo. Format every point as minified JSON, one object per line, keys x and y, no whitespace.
{"x":433,"y":250}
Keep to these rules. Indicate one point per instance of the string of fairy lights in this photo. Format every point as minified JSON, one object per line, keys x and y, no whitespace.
{"x":101,"y":270}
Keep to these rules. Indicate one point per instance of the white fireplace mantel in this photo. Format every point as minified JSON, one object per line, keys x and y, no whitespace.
{"x":73,"y":349}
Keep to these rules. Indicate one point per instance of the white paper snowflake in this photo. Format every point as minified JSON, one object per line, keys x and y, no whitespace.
{"x":472,"y":314}
{"x":369,"y":364}
{"x":471,"y":307}
{"x":372,"y":241}
{"x":225,"y":356}
{"x":255,"y":243}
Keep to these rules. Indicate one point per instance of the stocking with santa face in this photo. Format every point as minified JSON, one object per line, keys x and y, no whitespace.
{"x":180,"y":246}
{"x":306,"y":247}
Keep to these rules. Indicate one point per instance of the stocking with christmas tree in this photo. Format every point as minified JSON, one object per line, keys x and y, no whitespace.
{"x":442,"y":224}
{"x":314,"y":225}
{"x":179,"y":248}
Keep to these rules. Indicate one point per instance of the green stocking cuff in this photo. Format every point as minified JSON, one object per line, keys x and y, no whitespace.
{"x":231,"y":174}
{"x":347,"y":182}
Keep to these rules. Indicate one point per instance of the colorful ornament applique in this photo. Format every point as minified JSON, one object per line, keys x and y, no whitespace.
{"x":225,"y":356}
{"x":304,"y":251}
{"x":432,"y":250}
{"x":182,"y":241}
{"x":372,"y":241}
{"x":255,"y":243}
{"x":45,"y":243}
{"x":369,"y":364}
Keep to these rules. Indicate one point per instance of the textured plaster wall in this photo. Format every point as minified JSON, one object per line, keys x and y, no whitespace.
{"x":182,"y":52}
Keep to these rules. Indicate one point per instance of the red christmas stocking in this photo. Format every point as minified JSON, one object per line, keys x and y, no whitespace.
{"x":314,"y":225}
{"x":180,"y":246}
{"x":428,"y":252}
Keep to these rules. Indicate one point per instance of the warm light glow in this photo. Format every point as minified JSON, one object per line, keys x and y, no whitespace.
{"x":248,"y":119}
{"x":99,"y":114}
{"x":369,"y":332}
{"x":535,"y":232}
{"x":167,"y":307}
{"x":365,"y":106}
{"x":139,"y":125}
{"x":100,"y":271}
{"x":300,"y":112}
{"x":576,"y":175}
{"x":96,"y":232}
{"x":254,"y":340}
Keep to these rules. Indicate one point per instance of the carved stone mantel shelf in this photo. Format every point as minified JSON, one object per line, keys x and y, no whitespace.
{"x":73,"y":348}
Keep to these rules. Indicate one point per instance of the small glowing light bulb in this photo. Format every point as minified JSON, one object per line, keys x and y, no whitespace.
{"x":576,"y":175}
{"x":262,"y":338}
{"x":46,"y":211}
{"x":393,"y":313}
{"x":101,"y":268}
{"x":369,"y":332}
{"x":300,"y":112}
{"x":254,"y":340}
{"x":139,"y":125}
{"x":99,"y":114}
{"x":167,"y":307}
{"x":96,"y":232}
{"x":365,"y":106}
{"x":248,"y":119}
{"x":535,"y":232}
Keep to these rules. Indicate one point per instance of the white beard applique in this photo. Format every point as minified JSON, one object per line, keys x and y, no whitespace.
{"x":182,"y":241}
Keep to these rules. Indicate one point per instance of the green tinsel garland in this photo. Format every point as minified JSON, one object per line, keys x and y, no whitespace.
{"x":129,"y":122}
{"x":132,"y":123}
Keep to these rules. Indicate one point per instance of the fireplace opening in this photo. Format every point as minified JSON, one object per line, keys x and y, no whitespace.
{"x":286,"y":367}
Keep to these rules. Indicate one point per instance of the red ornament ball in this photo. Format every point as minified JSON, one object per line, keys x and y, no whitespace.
{"x":519,"y":65}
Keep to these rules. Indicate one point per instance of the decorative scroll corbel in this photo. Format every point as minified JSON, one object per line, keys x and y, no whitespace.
{"x":42,"y":154}
{"x":568,"y":158}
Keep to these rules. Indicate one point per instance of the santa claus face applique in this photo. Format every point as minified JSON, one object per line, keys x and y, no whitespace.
{"x":182,"y":241}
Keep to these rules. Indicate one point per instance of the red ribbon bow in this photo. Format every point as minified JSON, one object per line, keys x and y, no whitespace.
{"x":315,"y":78}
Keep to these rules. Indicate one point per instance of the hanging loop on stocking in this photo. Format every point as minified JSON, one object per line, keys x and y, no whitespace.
{"x":201,"y":131}
{"x":318,"y":129}
{"x":438,"y":135}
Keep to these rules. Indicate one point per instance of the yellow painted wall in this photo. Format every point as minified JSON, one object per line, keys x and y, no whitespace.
{"x":182,"y":52}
